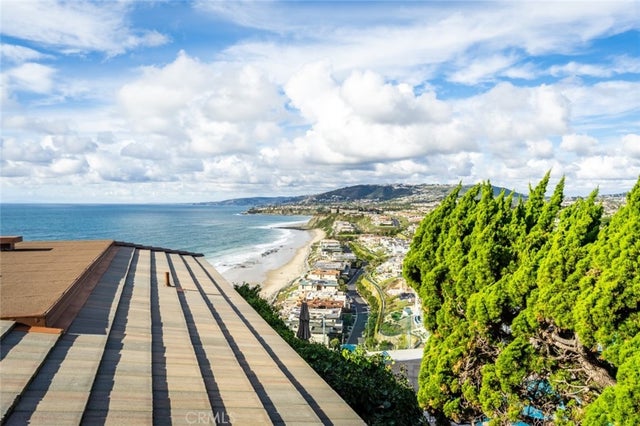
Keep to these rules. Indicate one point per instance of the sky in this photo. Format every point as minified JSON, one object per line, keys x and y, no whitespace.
{"x":189,"y":101}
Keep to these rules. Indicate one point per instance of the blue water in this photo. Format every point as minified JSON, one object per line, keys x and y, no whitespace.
{"x":221,"y":233}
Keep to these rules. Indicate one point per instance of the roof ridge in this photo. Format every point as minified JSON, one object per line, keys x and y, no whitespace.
{"x":156,"y":248}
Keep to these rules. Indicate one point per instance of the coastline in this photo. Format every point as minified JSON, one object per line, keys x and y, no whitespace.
{"x":274,"y":268}
{"x":280,"y":278}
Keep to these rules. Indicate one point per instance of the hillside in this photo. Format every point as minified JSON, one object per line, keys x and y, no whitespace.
{"x":252,"y":201}
{"x":358,"y":194}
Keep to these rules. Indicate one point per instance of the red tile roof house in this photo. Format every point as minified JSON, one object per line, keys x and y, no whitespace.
{"x":114,"y":333}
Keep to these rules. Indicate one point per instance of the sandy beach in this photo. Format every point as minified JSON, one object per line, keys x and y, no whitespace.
{"x":279,"y":278}
{"x":274,"y":269}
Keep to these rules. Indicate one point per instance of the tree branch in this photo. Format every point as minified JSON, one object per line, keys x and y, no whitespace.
{"x":597,"y":374}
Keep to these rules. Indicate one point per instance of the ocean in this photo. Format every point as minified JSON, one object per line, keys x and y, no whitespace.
{"x":225,"y":235}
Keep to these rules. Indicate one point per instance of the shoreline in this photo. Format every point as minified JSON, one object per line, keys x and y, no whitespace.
{"x":279,"y":278}
{"x":275,"y":268}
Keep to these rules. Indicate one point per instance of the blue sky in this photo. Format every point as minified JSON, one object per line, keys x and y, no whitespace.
{"x":188,"y":101}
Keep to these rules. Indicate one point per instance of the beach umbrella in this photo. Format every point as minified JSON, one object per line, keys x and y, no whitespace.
{"x":304,"y":332}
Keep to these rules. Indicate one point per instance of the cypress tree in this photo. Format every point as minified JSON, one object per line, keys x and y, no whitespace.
{"x":533,"y":309}
{"x":608,"y":315}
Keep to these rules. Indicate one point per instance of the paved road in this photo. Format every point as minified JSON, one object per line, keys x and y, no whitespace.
{"x":361,"y":309}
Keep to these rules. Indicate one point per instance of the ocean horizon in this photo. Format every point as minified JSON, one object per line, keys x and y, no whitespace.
{"x":223,"y":234}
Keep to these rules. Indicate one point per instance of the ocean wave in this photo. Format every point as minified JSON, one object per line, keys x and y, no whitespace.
{"x":286,"y":240}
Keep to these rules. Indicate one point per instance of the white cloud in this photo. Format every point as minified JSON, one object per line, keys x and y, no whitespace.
{"x":47,"y":157}
{"x":29,"y":151}
{"x":608,"y":167}
{"x":209,"y":129}
{"x":542,"y":149}
{"x":11,"y":169}
{"x":419,"y":37}
{"x":69,"y":144}
{"x":631,"y":145}
{"x":312,"y":17}
{"x":485,"y":68}
{"x":510,"y":114}
{"x":441,"y":168}
{"x":237,"y":171}
{"x":69,"y":166}
{"x":152,"y":102}
{"x":402,"y":170}
{"x":603,"y":99}
{"x":208,"y":109}
{"x":371,"y":98}
{"x":314,"y":92}
{"x":111,"y":168}
{"x":75,"y":26}
{"x":322,"y":95}
{"x":564,"y":26}
{"x":525,"y":71}
{"x":19,"y":54}
{"x":239,"y":95}
{"x":364,"y":119}
{"x":156,"y":150}
{"x":215,"y":137}
{"x":31,"y":85}
{"x":579,"y":144}
{"x":24,"y":123}
{"x":616,"y":66}
{"x":31,"y":77}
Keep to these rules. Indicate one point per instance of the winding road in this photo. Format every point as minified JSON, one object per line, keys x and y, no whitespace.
{"x":360,"y":307}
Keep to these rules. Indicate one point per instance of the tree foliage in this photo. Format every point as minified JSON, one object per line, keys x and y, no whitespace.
{"x":378,"y":395}
{"x":533,"y":309}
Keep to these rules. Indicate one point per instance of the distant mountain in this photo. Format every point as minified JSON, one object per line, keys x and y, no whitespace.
{"x":363,"y":192}
{"x":397,"y":193}
{"x":359,"y":194}
{"x":253,"y":201}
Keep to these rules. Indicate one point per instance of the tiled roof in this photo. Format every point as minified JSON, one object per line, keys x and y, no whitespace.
{"x":140,"y":352}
